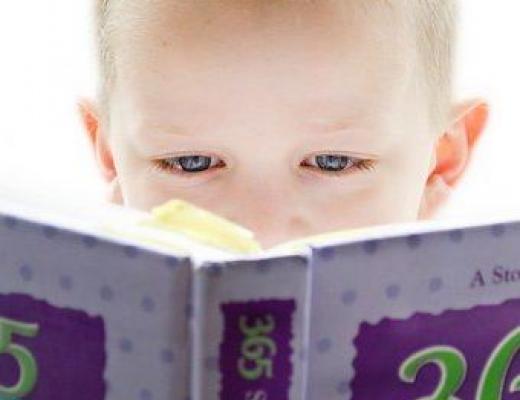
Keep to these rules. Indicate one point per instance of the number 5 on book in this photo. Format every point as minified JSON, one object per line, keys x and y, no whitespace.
{"x":28,"y":369}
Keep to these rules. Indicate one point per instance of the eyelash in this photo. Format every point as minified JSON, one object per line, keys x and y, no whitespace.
{"x":358,"y":164}
{"x":165,"y":165}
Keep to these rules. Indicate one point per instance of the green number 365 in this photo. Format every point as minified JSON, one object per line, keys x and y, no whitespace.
{"x":28,"y":369}
{"x":257,"y":349}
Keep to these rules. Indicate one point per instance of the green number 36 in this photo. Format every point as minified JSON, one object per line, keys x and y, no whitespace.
{"x":451,"y":363}
{"x":453,"y":369}
{"x":28,"y":369}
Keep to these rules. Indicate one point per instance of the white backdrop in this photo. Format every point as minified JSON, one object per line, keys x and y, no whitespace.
{"x":47,"y":62}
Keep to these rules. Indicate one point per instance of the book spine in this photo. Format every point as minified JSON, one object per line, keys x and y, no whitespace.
{"x":250,"y":329}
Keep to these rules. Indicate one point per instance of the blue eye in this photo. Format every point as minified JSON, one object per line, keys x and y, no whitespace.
{"x":325,"y":163}
{"x":190,"y":164}
{"x":338,"y":164}
{"x":195,"y":163}
{"x":333,"y":163}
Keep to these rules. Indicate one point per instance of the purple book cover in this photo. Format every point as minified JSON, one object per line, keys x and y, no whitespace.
{"x":421,"y":315}
{"x":433,"y":315}
{"x":87,"y":317}
{"x":48,"y":352}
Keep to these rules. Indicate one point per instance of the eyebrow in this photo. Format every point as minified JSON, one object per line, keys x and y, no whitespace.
{"x":324,"y":127}
{"x":167,"y":128}
{"x":336,"y":115}
{"x":348,"y":120}
{"x":316,"y":127}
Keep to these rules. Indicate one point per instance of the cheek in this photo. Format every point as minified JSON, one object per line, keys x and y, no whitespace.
{"x":402,"y":185}
{"x":138,"y":188}
{"x":391,"y":195}
{"x":374,"y":205}
{"x":143,"y":188}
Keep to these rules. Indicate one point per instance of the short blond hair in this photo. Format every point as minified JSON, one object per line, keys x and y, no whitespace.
{"x":432,"y":21}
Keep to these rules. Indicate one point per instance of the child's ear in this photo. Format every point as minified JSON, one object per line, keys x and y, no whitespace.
{"x":452,"y":154}
{"x":93,"y":126}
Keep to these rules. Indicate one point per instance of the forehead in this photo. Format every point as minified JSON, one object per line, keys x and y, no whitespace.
{"x":307,"y":55}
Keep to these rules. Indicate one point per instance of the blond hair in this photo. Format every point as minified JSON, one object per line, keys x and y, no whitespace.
{"x":433,"y":22}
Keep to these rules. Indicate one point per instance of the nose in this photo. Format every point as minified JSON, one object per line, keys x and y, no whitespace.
{"x":271,"y":211}
{"x":273,"y":226}
{"x":278,"y":234}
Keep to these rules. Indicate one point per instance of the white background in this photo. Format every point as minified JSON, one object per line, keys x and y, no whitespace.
{"x":47,"y":63}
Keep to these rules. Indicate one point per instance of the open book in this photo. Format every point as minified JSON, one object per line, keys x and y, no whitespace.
{"x":111,"y":303}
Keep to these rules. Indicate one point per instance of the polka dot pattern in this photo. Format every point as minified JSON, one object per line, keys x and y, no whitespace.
{"x":324,"y":345}
{"x":413,"y":241}
{"x":456,"y":236}
{"x":370,"y":247}
{"x":148,"y":304}
{"x":50,"y":232}
{"x":167,"y":356}
{"x":26,"y":272}
{"x":348,"y":297}
{"x":66,"y":282}
{"x":106,"y":293}
{"x":215,"y":270}
{"x":326,"y":253}
{"x":435,"y":286}
{"x":498,"y":230}
{"x":343,"y":388}
{"x":172,"y":262}
{"x":145,"y":394}
{"x":89,"y":242}
{"x":126,"y":345}
{"x":131,"y":251}
{"x":70,"y":285}
{"x":10,"y":222}
{"x":393,"y":291}
{"x":263,"y":266}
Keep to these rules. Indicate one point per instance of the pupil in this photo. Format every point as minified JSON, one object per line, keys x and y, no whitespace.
{"x":332,"y":163}
{"x":195,"y":163}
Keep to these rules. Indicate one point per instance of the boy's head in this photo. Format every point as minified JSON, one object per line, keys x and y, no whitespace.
{"x":290,"y":117}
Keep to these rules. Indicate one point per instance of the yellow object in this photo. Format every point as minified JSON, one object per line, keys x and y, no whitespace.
{"x":203,"y":226}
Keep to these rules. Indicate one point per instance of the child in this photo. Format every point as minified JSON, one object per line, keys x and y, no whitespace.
{"x":289,"y":117}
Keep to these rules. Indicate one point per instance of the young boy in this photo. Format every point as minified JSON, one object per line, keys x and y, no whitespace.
{"x":290,"y":117}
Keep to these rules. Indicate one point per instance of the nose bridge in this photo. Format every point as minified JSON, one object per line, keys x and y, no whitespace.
{"x":269,"y":206}
{"x":264,"y":194}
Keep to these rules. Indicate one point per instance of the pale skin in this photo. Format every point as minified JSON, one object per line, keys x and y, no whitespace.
{"x":264,"y":97}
